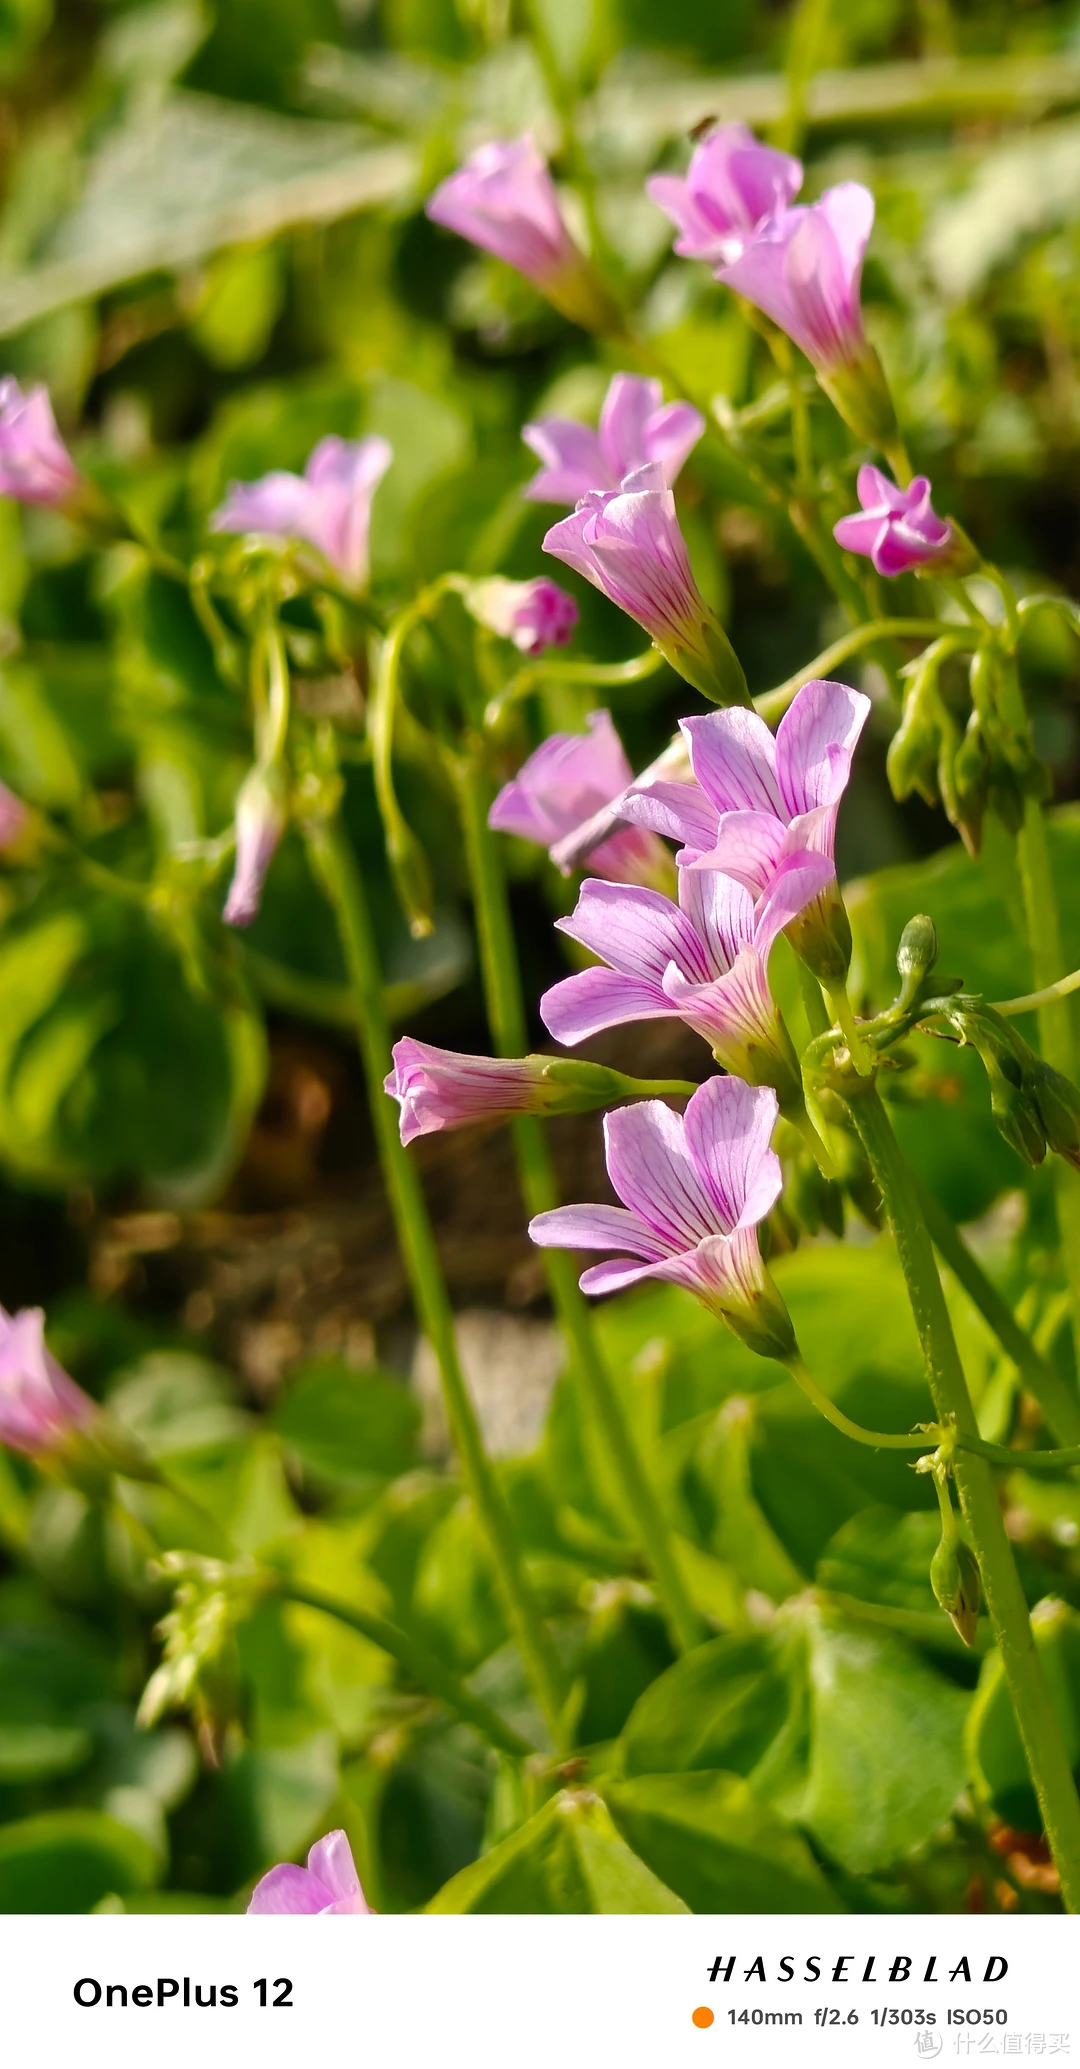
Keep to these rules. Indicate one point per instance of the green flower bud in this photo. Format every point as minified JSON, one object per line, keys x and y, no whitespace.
{"x":916,"y":956}
{"x":1058,"y":1103}
{"x":911,"y":762}
{"x":1016,"y":1113}
{"x":957,"y":1585}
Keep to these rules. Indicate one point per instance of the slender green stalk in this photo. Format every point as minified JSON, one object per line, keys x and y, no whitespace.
{"x":335,"y":867}
{"x":506,"y":1016}
{"x":1037,"y":1720}
{"x":1056,"y":1399}
{"x":604,"y":674}
{"x":424,"y":1666}
{"x":1032,"y":1000}
{"x":879,"y":1440}
{"x":1026,"y":1461}
{"x":772,"y":704}
{"x":858,"y":1050}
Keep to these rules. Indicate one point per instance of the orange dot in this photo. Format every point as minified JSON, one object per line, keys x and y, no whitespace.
{"x":703,"y":2016}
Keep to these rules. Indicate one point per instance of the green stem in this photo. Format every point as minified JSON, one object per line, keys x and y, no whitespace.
{"x":424,"y":1666}
{"x":1032,"y":1000}
{"x":879,"y":1440}
{"x":1037,"y":1720}
{"x":773,"y":703}
{"x":1023,"y":1461}
{"x":335,"y":868}
{"x":604,"y":674}
{"x":1057,"y":1401}
{"x":506,"y":1017}
{"x":838,"y":1000}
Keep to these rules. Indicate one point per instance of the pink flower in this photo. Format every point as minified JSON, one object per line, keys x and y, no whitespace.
{"x":569,"y":778}
{"x":803,"y":268}
{"x":627,"y":543}
{"x":328,"y":1887}
{"x":14,"y":818}
{"x":260,"y":823}
{"x":636,"y":427}
{"x":704,"y":961}
{"x":732,"y":187}
{"x":762,"y":804}
{"x":438,"y":1088}
{"x":898,"y":529}
{"x":693,"y":1190}
{"x":35,"y":465}
{"x":39,"y":1404}
{"x":329,"y":505}
{"x":534,"y":614}
{"x":503,"y":199}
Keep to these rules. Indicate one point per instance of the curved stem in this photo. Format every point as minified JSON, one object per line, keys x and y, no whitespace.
{"x":860,"y":1054}
{"x":1036,"y":1717}
{"x":506,"y":1017}
{"x":424,"y":1666}
{"x":605,"y":674}
{"x":335,"y":868}
{"x":878,"y":1440}
{"x":1026,"y":1461}
{"x":772,"y":704}
{"x":1032,"y":1000}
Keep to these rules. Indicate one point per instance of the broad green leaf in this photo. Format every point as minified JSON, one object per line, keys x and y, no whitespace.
{"x":626,"y":1647}
{"x":719,"y":1707}
{"x":995,"y":1756}
{"x":717,"y":1845}
{"x":66,"y":1860}
{"x":880,"y":1556}
{"x":347,"y":1424}
{"x":886,"y":1755}
{"x":272,"y":1802}
{"x":569,"y":1857}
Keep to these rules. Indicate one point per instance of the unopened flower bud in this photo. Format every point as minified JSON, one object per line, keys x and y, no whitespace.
{"x":911,"y":762}
{"x":438,"y":1089}
{"x":534,"y":615}
{"x":1015,"y":1110}
{"x":916,"y":955}
{"x":260,"y":823}
{"x":1058,"y":1103}
{"x":957,"y":1585}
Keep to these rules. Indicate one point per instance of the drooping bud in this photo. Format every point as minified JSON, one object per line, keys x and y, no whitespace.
{"x":957,"y":1585}
{"x":916,"y":956}
{"x":260,"y":823}
{"x":1016,"y":1113}
{"x":1058,"y":1103}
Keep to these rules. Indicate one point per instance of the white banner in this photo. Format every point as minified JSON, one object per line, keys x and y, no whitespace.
{"x":538,"y":1993}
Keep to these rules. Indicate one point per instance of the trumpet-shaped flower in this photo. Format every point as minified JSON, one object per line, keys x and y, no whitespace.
{"x":733,"y":186}
{"x":35,"y":465}
{"x":636,"y":428}
{"x":534,"y":615}
{"x":329,"y":505}
{"x":329,"y":1887}
{"x":439,"y":1088}
{"x":260,"y":823}
{"x":704,"y":961}
{"x":694,"y":1189}
{"x":762,"y":803}
{"x":898,"y":529}
{"x":569,"y":778}
{"x":627,"y":543}
{"x":503,"y":199}
{"x":39,"y":1405}
{"x":803,"y":268}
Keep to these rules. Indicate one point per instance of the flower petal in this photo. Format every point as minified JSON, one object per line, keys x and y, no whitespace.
{"x":592,"y":1000}
{"x":733,"y":756}
{"x":596,"y":1227}
{"x":636,"y":930}
{"x":680,"y":811}
{"x":798,"y":881}
{"x":288,"y":1891}
{"x":629,"y":403}
{"x":721,"y":912}
{"x":747,"y":846}
{"x":331,"y":1861}
{"x":729,"y":1127}
{"x":653,"y":1173}
{"x":573,"y":462}
{"x":815,"y":743}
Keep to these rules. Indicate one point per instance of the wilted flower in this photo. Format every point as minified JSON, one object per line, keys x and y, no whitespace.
{"x":569,"y":778}
{"x":636,"y":427}
{"x":763,"y":802}
{"x":898,"y":529}
{"x":260,"y":823}
{"x":733,"y":186}
{"x":35,"y":465}
{"x":694,"y":1189}
{"x":328,"y":1887}
{"x":504,"y":200}
{"x":534,"y":614}
{"x":704,"y":961}
{"x":40,"y":1406}
{"x":438,"y":1088}
{"x":329,"y":505}
{"x":627,"y":543}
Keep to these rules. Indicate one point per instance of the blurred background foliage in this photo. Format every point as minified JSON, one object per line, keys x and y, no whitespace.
{"x":212,"y":247}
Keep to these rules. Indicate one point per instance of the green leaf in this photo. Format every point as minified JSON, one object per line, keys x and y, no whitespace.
{"x":625,"y":1648}
{"x":995,"y":1756}
{"x":886,"y":1754}
{"x":345,"y":1424}
{"x":271,"y":1803}
{"x":38,"y":1752}
{"x":66,"y":1860}
{"x":568,"y":1857}
{"x":713,"y":1842}
{"x":719,"y":1707}
{"x":881,"y":1556}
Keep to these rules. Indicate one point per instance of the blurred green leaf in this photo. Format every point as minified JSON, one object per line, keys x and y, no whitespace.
{"x":569,"y":1857}
{"x":719,"y":1707}
{"x":347,"y":1424}
{"x":66,"y":1860}
{"x":996,"y":1760}
{"x":717,"y":1845}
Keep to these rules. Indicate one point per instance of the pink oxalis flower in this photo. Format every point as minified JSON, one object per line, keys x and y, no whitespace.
{"x":636,"y":428}
{"x":440,"y":1088}
{"x":39,"y":1405}
{"x":329,"y":505}
{"x":503,"y":199}
{"x":763,"y":802}
{"x":704,"y":961}
{"x":328,"y":1887}
{"x":260,"y":823}
{"x":569,"y":778}
{"x":35,"y":465}
{"x":534,"y":615}
{"x":694,"y":1189}
{"x":627,"y":543}
{"x":803,"y":268}
{"x":733,"y":186}
{"x":898,"y":529}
